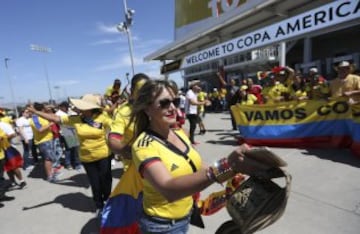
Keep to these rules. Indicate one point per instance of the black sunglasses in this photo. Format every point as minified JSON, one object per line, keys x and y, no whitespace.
{"x":165,"y":103}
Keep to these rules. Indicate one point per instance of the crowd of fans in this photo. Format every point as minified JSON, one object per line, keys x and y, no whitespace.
{"x":91,"y":131}
{"x":282,"y":84}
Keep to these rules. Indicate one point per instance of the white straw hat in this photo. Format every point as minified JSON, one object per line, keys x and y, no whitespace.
{"x":87,"y":102}
{"x":194,"y":82}
{"x":314,"y":69}
{"x":344,"y":64}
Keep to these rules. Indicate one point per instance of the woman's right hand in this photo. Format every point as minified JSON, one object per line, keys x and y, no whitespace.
{"x":242,"y":164}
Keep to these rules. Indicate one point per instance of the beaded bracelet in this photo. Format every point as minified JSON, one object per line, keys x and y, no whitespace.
{"x":220,"y":172}
{"x":210,"y":175}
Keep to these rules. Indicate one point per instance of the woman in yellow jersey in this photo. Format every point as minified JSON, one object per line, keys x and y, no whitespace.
{"x":171,"y":169}
{"x":91,"y":126}
{"x":121,"y":131}
{"x":298,"y":89}
{"x":246,"y":98}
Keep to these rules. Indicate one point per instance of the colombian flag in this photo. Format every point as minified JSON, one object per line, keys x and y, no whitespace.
{"x":297,"y":124}
{"x":124,"y":207}
{"x":355,"y":129}
{"x":13,"y":159}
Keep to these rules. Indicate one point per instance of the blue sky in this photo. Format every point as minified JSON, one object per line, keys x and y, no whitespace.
{"x":88,"y":53}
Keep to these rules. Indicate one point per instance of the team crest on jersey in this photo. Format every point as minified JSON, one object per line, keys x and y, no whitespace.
{"x":145,"y":141}
{"x":97,"y":125}
{"x":174,"y":167}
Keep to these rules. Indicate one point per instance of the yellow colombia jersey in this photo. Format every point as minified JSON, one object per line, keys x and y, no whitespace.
{"x":36,"y":123}
{"x":215,"y":94}
{"x":322,"y":91}
{"x":120,"y":124}
{"x":7,"y":119}
{"x":106,"y":111}
{"x":147,"y":149}
{"x":222,"y":92}
{"x":338,"y":87}
{"x":4,"y":143}
{"x":109,"y":90}
{"x":201,"y":97}
{"x":251,"y":99}
{"x":298,"y":93}
{"x":276,"y":91}
{"x":92,"y":140}
{"x":265,"y":92}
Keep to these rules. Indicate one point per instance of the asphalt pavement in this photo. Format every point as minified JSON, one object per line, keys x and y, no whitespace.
{"x":324,"y":198}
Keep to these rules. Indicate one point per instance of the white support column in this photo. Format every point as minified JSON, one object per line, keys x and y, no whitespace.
{"x":282,"y":57}
{"x":307,"y":50}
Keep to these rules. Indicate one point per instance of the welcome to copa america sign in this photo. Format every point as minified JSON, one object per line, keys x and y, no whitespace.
{"x":318,"y":18}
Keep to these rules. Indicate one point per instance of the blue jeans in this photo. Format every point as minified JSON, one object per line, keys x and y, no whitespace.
{"x":46,"y":151}
{"x":72,"y":157}
{"x":163,"y":226}
{"x":58,"y":151}
{"x":27,"y":153}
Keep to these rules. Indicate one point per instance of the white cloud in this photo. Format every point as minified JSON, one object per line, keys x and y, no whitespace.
{"x":108,"y":41}
{"x":108,"y":29}
{"x":123,"y":62}
{"x":141,"y":48}
{"x":67,"y":82}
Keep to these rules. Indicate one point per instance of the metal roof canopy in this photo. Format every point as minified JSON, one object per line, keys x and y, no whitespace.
{"x":260,"y":16}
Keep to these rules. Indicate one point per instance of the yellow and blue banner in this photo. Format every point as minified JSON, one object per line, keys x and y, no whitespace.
{"x":124,"y":207}
{"x":310,"y":123}
{"x":355,"y":130}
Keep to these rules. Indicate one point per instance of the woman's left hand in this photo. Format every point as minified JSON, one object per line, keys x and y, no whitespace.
{"x":240,"y":163}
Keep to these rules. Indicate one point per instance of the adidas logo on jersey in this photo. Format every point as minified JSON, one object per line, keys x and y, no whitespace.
{"x":145,"y":141}
{"x":174,"y":167}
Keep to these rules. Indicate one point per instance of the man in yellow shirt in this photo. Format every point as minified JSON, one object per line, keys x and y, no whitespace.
{"x":202,"y":96}
{"x":43,"y":139}
{"x":346,"y":84}
{"x":115,"y":87}
{"x":215,"y":99}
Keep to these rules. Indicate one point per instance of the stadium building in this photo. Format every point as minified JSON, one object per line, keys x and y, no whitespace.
{"x":246,"y":36}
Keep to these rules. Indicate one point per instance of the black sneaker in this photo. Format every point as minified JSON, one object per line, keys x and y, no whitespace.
{"x":22,"y":185}
{"x":12,"y":186}
{"x":7,"y":198}
{"x":1,"y":205}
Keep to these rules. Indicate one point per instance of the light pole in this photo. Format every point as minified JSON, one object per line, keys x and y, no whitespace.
{"x":44,"y":49}
{"x":125,"y":27}
{"x":57,"y":94}
{"x":6,"y":60}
